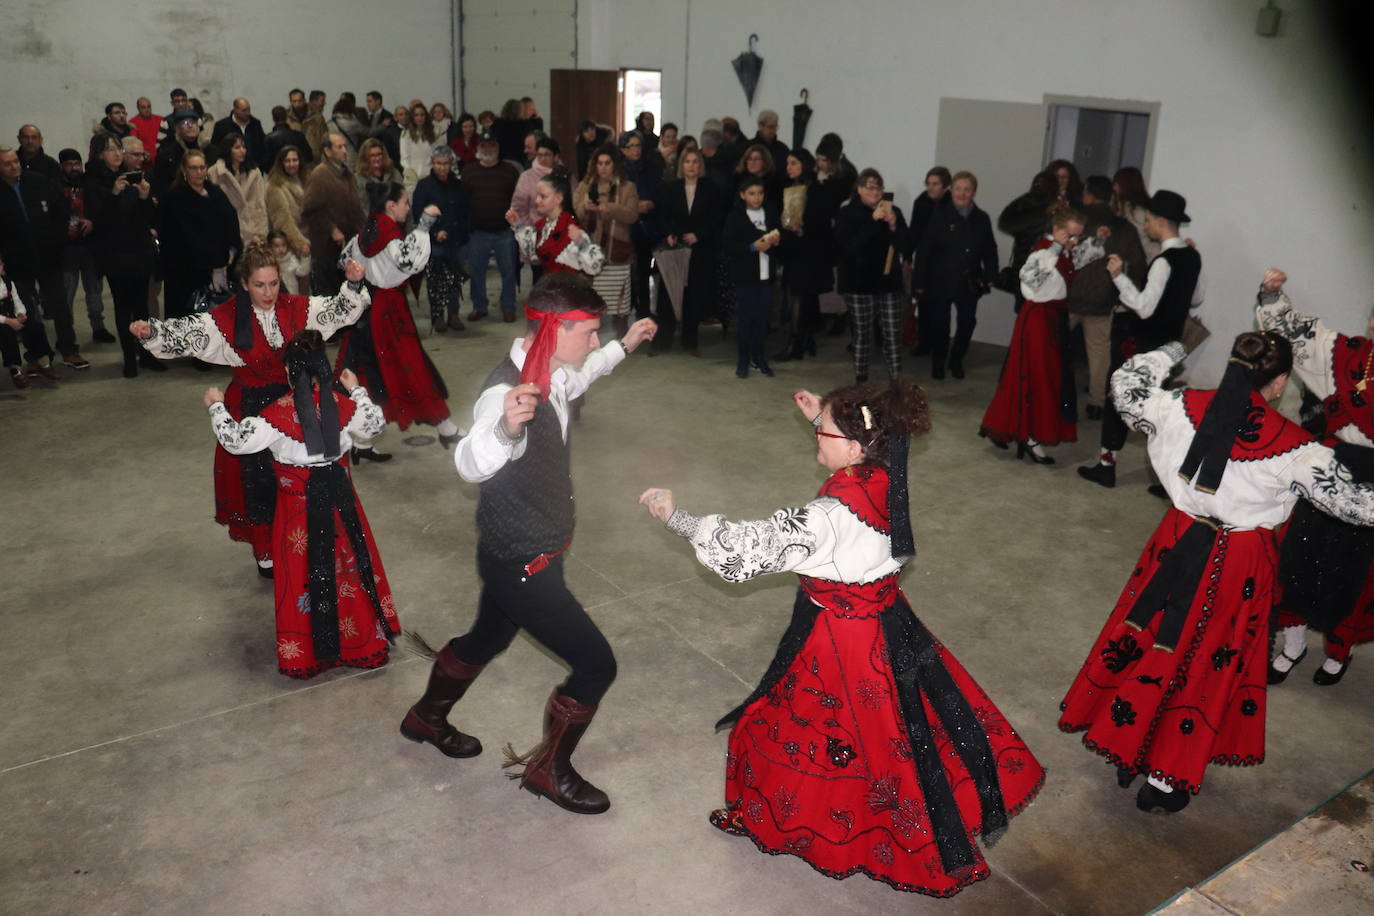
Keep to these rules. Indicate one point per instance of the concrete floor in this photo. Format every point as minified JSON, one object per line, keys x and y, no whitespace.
{"x":153,"y":761}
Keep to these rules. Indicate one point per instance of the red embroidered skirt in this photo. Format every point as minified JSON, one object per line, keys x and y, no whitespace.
{"x":821,"y":767}
{"x":1026,"y":404}
{"x":361,"y":640}
{"x":411,"y":390}
{"x":1169,"y":714}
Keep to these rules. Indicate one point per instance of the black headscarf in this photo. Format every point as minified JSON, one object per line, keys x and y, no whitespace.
{"x":1211,"y":447}
{"x":319,"y":427}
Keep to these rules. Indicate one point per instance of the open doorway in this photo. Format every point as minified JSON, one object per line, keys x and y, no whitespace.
{"x":1100,"y":136}
{"x":640,"y":91}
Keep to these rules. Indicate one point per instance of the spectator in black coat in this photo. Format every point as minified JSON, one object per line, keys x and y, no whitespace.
{"x":750,"y":243}
{"x":1026,"y":219}
{"x":872,"y":234}
{"x":937,"y":185}
{"x":199,"y":230}
{"x":32,"y":157}
{"x":768,"y":137}
{"x":693,"y":211}
{"x":241,"y":121}
{"x":33,"y":228}
{"x":281,"y":136}
{"x":590,"y":137}
{"x":954,"y":266}
{"x":646,"y":232}
{"x":448,"y":238}
{"x":184,"y":138}
{"x":809,"y":264}
{"x":124,"y":216}
{"x":720,"y":167}
{"x":510,"y":130}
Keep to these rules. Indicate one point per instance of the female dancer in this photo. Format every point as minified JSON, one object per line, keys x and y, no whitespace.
{"x":1326,"y":566}
{"x":247,"y":334}
{"x":867,"y":747}
{"x":384,"y":348}
{"x":1176,"y":678}
{"x":1034,"y":404}
{"x":556,"y":242}
{"x":334,"y":605}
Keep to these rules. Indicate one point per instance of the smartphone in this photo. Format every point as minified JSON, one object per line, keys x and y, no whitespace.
{"x":888,"y":196}
{"x":133,"y":177}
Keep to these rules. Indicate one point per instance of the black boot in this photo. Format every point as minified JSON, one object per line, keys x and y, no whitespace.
{"x":427,"y":720}
{"x":548,"y":769}
{"x":792,"y":351}
{"x":1151,"y":799}
{"x":1104,"y":475}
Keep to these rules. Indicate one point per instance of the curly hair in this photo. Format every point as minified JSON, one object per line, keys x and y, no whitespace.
{"x":893,"y":407}
{"x":255,"y":257}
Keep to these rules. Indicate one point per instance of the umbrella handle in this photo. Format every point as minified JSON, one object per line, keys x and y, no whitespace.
{"x":753,"y":40}
{"x":805,"y":96}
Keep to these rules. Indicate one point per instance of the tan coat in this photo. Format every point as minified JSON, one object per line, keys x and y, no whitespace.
{"x":331,"y":202}
{"x":609,"y":225}
{"x":285,"y":200}
{"x":248,"y":194}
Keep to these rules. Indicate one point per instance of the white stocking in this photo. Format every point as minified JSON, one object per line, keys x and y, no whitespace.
{"x":1294,"y":641}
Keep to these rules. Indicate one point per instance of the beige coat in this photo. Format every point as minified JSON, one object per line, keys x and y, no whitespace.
{"x":284,"y":202}
{"x":248,"y":194}
{"x":618,"y":209}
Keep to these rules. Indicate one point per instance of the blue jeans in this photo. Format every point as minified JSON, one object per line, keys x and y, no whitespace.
{"x":480,"y":247}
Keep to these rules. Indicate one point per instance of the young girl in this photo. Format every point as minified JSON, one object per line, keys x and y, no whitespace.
{"x":295,"y":270}
{"x":751,"y":231}
{"x":867,"y":747}
{"x":556,"y":242}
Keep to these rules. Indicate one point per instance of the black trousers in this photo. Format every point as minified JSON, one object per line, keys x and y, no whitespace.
{"x":639,"y":278}
{"x":33,"y":334}
{"x":1125,"y":336}
{"x":752,"y":301}
{"x":541,"y":604}
{"x":130,"y":295}
{"x":938,"y":319}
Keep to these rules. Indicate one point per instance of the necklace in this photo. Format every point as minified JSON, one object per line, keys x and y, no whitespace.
{"x":1368,"y":364}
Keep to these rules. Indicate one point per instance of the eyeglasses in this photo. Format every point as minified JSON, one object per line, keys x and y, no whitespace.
{"x":633,"y":145}
{"x":819,"y":433}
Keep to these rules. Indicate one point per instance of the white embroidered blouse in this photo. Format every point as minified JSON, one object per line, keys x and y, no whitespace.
{"x":253,"y":434}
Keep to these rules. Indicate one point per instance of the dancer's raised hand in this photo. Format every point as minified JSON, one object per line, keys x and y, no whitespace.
{"x":353,"y":271}
{"x":659,"y":503}
{"x":1273,"y":281}
{"x":520,"y":405}
{"x":808,"y":403}
{"x":348,"y":379}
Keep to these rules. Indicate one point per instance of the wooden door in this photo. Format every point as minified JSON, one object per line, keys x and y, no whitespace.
{"x":577,"y":95}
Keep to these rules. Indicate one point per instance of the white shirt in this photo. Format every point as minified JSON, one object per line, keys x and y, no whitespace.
{"x":10,"y":292}
{"x":1144,"y":302}
{"x":1253,"y":494}
{"x":758,"y":218}
{"x":485,"y":450}
{"x":400,"y":260}
{"x":822,"y":539}
{"x":253,"y":434}
{"x":1040,"y":278}
{"x":198,"y":335}
{"x":1313,"y":343}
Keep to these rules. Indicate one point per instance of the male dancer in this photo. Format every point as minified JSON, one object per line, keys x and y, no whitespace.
{"x":1148,"y":318}
{"x":518,"y":452}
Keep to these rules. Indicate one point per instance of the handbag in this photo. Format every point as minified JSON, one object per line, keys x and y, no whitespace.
{"x":1194,"y":333}
{"x":1008,"y":280}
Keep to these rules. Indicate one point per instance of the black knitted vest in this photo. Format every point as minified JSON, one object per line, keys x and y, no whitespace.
{"x":526,"y":508}
{"x":1166,"y":322}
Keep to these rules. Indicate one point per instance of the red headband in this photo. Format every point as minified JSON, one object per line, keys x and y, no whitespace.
{"x":537,"y":358}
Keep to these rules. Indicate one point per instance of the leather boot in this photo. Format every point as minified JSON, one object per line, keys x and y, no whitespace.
{"x":427,"y":720}
{"x":548,"y":769}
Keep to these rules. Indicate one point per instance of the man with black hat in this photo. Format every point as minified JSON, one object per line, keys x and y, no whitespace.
{"x":518,"y":452}
{"x":1149,"y":318}
{"x":185,"y":136}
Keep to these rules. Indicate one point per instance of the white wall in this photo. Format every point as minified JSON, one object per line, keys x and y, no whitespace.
{"x":1255,"y":132}
{"x":509,"y":49}
{"x":61,"y":61}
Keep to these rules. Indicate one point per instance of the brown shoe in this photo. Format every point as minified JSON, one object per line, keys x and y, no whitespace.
{"x":76,"y":361}
{"x":476,"y":316}
{"x":455,"y":323}
{"x":548,"y":770}
{"x":427,"y":720}
{"x":47,"y":372}
{"x":21,"y":381}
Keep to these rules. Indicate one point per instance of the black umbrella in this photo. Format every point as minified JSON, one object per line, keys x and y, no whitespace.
{"x":747,"y":67}
{"x":801,"y":116}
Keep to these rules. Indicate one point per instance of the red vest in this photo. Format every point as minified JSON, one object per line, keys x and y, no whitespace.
{"x":262,"y":364}
{"x":549,"y":249}
{"x":1352,"y":359}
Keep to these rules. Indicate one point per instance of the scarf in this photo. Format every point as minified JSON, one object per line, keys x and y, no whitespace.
{"x":537,"y":357}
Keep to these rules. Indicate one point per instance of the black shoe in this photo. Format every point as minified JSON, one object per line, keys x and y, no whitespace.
{"x":741,"y":373}
{"x":1278,"y":677}
{"x":763,"y":369}
{"x":447,"y":441}
{"x":1151,"y":799}
{"x":1157,"y":489}
{"x":937,"y":373}
{"x":266,"y":571}
{"x":102,"y":336}
{"x":1124,"y":777}
{"x":1023,"y":451}
{"x":1104,"y":475}
{"x":956,"y":368}
{"x":1322,"y":678}
{"x":370,"y":454}
{"x":1093,"y":413}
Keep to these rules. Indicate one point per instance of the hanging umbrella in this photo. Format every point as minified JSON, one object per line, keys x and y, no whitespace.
{"x":747,"y":67}
{"x":801,"y":116}
{"x":672,"y":265}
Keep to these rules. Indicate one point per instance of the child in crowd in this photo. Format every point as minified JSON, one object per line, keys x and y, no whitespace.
{"x":295,"y":270}
{"x":751,"y":231}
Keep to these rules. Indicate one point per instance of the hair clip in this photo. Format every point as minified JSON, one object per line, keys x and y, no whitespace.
{"x":868,"y":416}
